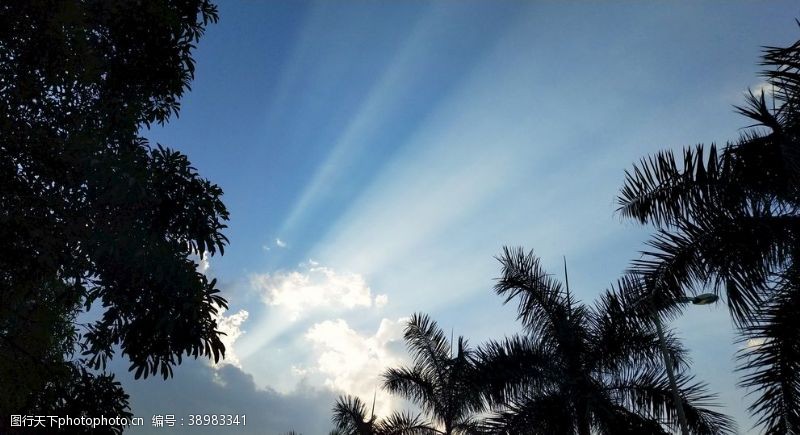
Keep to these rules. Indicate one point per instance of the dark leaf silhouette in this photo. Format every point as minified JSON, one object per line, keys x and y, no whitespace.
{"x":442,"y":380}
{"x":729,"y":222}
{"x":581,"y":370}
{"x":91,"y":215}
{"x":351,"y":418}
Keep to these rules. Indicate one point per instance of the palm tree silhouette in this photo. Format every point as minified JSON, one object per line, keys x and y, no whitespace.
{"x":442,"y":381}
{"x":730,"y":220}
{"x":350,"y":418}
{"x":583,"y":370}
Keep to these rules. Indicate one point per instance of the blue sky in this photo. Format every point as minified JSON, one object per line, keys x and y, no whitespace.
{"x":376,"y":155}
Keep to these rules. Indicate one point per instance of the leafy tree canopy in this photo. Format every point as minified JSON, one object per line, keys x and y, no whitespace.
{"x":91,"y":215}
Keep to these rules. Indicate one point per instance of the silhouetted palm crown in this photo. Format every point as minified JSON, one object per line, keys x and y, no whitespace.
{"x":582,"y":370}
{"x":442,"y":380}
{"x":350,"y":418}
{"x":729,"y":220}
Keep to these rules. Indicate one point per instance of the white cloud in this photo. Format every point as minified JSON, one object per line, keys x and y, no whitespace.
{"x":231,"y":326}
{"x":203,"y":263}
{"x":299,"y":371}
{"x":353,"y":363}
{"x":764,"y":87}
{"x":755,"y":343}
{"x":280,"y":243}
{"x":314,"y":287}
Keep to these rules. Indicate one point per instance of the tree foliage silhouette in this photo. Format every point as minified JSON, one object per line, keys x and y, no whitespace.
{"x":92,"y":216}
{"x":727,"y":218}
{"x":581,"y":370}
{"x":350,"y":418}
{"x":442,"y":380}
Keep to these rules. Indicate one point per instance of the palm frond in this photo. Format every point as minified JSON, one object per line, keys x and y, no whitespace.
{"x":731,"y":223}
{"x":613,"y":419}
{"x":544,"y":308}
{"x":622,"y":333}
{"x":767,"y":170}
{"x":647,"y":392}
{"x":428,"y":345}
{"x":400,"y":423}
{"x":445,"y":386}
{"x":534,"y":415}
{"x":415,"y":385}
{"x":673,"y":266}
{"x":783,"y":72}
{"x":771,"y":359}
{"x":661,"y":192}
{"x":515,"y":366}
{"x":658,"y":191}
{"x":350,"y":416}
{"x":756,"y":109}
{"x":737,"y":254}
{"x":463,"y":384}
{"x":469,"y":426}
